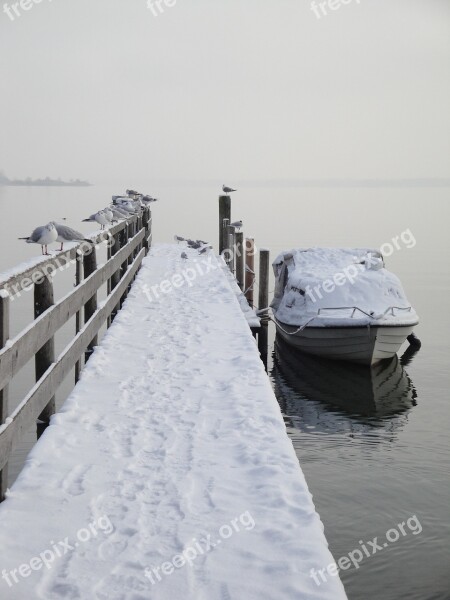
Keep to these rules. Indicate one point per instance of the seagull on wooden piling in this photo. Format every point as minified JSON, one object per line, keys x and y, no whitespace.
{"x":67,"y":234}
{"x":44,"y":235}
{"x":236,"y":224}
{"x":98,"y":217}
{"x":227,"y":189}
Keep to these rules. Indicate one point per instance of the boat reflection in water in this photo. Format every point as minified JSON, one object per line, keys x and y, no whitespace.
{"x":330,"y":396}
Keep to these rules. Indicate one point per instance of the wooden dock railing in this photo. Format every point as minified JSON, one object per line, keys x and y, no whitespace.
{"x":128,"y":243}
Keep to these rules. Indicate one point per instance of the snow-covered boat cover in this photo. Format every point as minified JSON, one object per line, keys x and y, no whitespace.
{"x":332,"y":287}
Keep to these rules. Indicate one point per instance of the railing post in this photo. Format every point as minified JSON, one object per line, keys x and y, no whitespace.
{"x":240,"y":259}
{"x":150,"y":228}
{"x":78,"y":316}
{"x":146,"y":226}
{"x":4,"y":336}
{"x":224,"y":213}
{"x":90,"y":265}
{"x":116,"y":276}
{"x":249,"y":269}
{"x":45,"y":357}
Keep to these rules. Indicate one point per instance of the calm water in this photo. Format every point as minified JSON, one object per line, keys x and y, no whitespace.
{"x":374,"y":449}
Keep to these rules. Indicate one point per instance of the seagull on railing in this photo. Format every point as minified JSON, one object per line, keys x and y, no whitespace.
{"x":67,"y":234}
{"x":118,"y":214}
{"x":44,"y":235}
{"x":227,"y":189}
{"x":148,"y":199}
{"x":192,"y":244}
{"x":132,"y":193}
{"x":98,"y":217}
{"x":109,"y":214}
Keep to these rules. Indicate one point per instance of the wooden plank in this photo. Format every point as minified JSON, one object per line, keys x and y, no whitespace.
{"x":4,"y":336}
{"x":24,"y":417}
{"x":27,"y":343}
{"x":45,"y":356}
{"x":23,"y":280}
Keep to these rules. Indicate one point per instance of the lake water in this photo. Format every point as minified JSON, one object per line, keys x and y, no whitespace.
{"x":375,"y":451}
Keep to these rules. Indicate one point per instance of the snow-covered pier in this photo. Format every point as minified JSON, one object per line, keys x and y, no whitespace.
{"x":168,"y":473}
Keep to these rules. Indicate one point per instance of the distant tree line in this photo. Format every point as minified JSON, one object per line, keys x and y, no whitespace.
{"x":44,"y":182}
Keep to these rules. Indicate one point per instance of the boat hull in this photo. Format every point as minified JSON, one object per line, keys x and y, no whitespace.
{"x":361,"y":345}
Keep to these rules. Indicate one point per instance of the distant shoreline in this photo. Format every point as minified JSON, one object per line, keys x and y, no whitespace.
{"x":47,"y":182}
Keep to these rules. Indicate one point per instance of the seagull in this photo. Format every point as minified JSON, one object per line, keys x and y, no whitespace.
{"x":227,"y":189}
{"x":118,"y":214}
{"x":204,"y":250}
{"x":202,"y":242}
{"x":67,"y":234}
{"x":193,"y":244}
{"x":99,"y":217}
{"x":108,"y":214}
{"x":133,"y":193}
{"x":44,"y":235}
{"x":184,"y":255}
{"x":148,"y":199}
{"x":178,"y":238}
{"x":236,"y":224}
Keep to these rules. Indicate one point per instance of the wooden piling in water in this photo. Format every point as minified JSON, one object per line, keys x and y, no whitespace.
{"x":249,"y":269}
{"x":263,"y":302}
{"x":4,"y":336}
{"x":224,"y":213}
{"x":45,"y":357}
{"x":240,"y":259}
{"x":264,"y":268}
{"x":231,"y":248}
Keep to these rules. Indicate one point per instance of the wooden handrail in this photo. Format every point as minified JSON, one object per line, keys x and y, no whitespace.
{"x":30,"y":408}
{"x":25,"y":345}
{"x":131,"y":240}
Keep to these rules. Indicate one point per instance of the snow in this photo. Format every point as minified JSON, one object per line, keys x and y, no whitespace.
{"x":172,"y":434}
{"x":327,"y":279}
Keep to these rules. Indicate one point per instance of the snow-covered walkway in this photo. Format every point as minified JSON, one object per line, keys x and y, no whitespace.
{"x":168,"y":475}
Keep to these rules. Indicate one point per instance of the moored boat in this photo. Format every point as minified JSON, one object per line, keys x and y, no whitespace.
{"x":341,"y":303}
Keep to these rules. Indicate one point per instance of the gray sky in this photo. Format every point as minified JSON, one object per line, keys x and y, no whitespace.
{"x":226,"y":90}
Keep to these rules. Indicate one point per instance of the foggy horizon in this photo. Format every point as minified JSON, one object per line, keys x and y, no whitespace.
{"x":203,"y":92}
